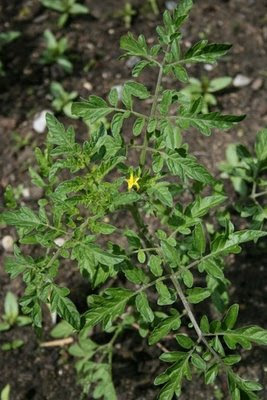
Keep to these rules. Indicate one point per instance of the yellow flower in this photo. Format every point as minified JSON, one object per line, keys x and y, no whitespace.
{"x":133,"y":181}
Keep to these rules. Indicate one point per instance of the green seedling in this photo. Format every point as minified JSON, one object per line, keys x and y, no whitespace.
{"x":205,"y":88}
{"x":129,"y":212}
{"x":126,"y":14}
{"x":5,"y":393}
{"x":11,"y":315}
{"x":62,"y":100}
{"x":55,"y":50}
{"x":13,"y":345}
{"x":67,"y":8}
{"x":247,"y":171}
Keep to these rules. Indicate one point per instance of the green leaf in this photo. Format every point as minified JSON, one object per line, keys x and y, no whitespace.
{"x":166,"y":297}
{"x":198,"y":362}
{"x":141,"y":255}
{"x":224,"y":246}
{"x":132,"y":46}
{"x":231,"y":316}
{"x":64,"y":307}
{"x":204,"y":324}
{"x":155,"y":265}
{"x":113,"y":97}
{"x":211,"y":374}
{"x":206,"y":52}
{"x":116,"y":123}
{"x":104,"y":257}
{"x":143,"y":307}
{"x":261,"y":145}
{"x":197,"y":294}
{"x":93,"y":109}
{"x":245,"y":336}
{"x":219,"y":83}
{"x":242,"y":388}
{"x":162,"y":329}
{"x":211,"y":267}
{"x":138,"y":126}
{"x":137,"y":89}
{"x":62,"y":330}
{"x":187,"y":167}
{"x":173,"y":378}
{"x":172,"y":356}
{"x":5,"y":393}
{"x":232,"y":359}
{"x":138,"y":68}
{"x":57,"y":134}
{"x":11,"y":307}
{"x":183,"y":8}
{"x":22,"y":218}
{"x":199,"y":239}
{"x":180,"y":73}
{"x":107,"y":307}
{"x":161,"y":192}
{"x":202,"y":205}
{"x":187,"y":277}
{"x":184,"y":341}
{"x":205,"y":122}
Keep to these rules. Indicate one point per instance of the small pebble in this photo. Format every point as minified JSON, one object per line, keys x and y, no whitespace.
{"x":170,"y":5}
{"x":39,"y":122}
{"x":241,"y":80}
{"x":209,"y":67}
{"x":257,"y":84}
{"x":105,"y":75}
{"x":88,"y":86}
{"x":8,"y":243}
{"x":26,"y":193}
{"x":111,"y":31}
{"x":59,"y":241}
{"x":132,"y":62}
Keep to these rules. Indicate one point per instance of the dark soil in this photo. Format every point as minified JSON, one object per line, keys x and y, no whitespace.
{"x":37,"y":373}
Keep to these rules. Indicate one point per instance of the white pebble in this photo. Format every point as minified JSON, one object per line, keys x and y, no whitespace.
{"x":59,"y":241}
{"x":88,"y":86}
{"x":132,"y":61}
{"x":26,"y":193}
{"x":170,"y":5}
{"x":208,"y":67}
{"x":241,"y":80}
{"x":8,"y":243}
{"x":39,"y":121}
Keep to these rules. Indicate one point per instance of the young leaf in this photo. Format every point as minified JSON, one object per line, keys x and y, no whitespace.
{"x":155,"y":265}
{"x":231,"y":316}
{"x":261,"y":145}
{"x":143,"y":307}
{"x":197,"y":294}
{"x":107,"y":307}
{"x":64,"y":306}
{"x":93,"y":109}
{"x":162,"y":329}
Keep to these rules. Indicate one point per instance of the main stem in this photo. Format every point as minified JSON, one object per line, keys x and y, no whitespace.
{"x":152,"y":114}
{"x":153,"y":108}
{"x":191,"y":316}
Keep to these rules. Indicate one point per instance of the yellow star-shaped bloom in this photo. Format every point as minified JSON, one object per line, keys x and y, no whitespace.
{"x":133,"y":181}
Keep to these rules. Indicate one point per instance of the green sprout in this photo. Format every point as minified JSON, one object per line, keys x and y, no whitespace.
{"x":67,"y":8}
{"x":55,"y":50}
{"x":206,"y":88}
{"x":62,"y":100}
